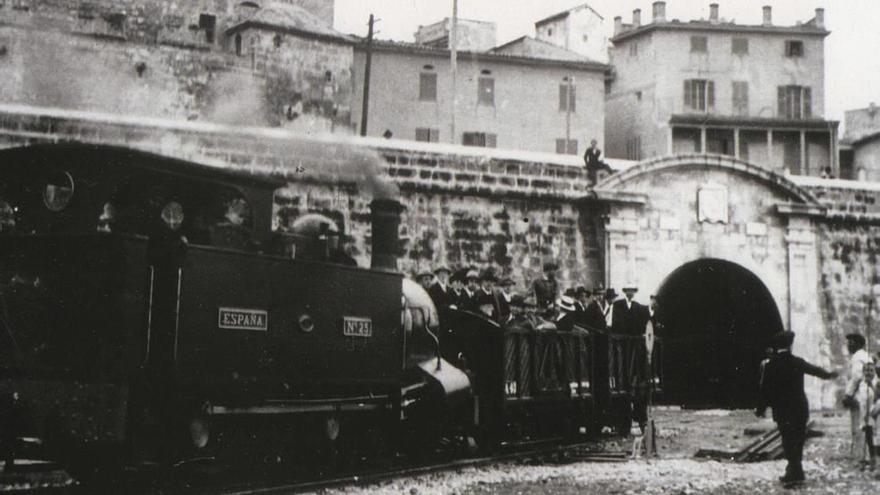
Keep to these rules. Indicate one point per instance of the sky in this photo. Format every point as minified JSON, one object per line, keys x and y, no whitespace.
{"x":852,"y":64}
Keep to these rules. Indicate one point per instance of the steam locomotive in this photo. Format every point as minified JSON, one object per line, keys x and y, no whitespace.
{"x":148,"y":311}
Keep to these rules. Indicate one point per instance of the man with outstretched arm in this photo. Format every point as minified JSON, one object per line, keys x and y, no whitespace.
{"x":782,"y":389}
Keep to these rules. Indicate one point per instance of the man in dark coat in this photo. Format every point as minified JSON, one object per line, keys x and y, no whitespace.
{"x":470,"y":299}
{"x":631,"y":318}
{"x":547,"y":288}
{"x":782,"y":388}
{"x":440,"y":291}
{"x":627,"y":316}
{"x":594,"y":315}
{"x":593,"y":161}
{"x":503,"y":297}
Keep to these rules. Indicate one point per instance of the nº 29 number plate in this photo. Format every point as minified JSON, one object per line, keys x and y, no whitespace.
{"x":357,"y":327}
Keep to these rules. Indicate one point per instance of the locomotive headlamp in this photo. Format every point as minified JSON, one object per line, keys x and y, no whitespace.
{"x":306,"y":324}
{"x":172,"y":215}
{"x":58,"y":191}
{"x":7,"y":217}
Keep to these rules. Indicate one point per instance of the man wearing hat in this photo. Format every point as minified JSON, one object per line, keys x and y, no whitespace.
{"x":547,"y":288}
{"x":441,"y":293}
{"x":855,"y":345}
{"x":782,"y":389}
{"x":630,"y":318}
{"x":469,"y":300}
{"x":503,"y":298}
{"x":594,"y":317}
{"x":456,"y":282}
{"x":486,"y":292}
{"x":424,"y":278}
{"x":627,"y":316}
{"x":606,"y":299}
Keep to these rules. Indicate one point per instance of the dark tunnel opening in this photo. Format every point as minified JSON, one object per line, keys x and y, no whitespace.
{"x":719,"y":318}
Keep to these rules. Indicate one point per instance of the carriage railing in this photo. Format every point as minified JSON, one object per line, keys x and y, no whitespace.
{"x":547,"y":363}
{"x":628,"y":366}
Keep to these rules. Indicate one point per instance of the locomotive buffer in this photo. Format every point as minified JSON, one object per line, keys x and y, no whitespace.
{"x":647,"y":442}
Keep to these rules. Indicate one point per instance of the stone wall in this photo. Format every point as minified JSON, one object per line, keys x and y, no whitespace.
{"x":464,"y":207}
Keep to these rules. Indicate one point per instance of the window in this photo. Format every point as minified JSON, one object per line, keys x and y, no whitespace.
{"x":567,"y":101}
{"x":567,"y":148}
{"x":699,"y":94}
{"x":208,"y":23}
{"x":794,"y":48}
{"x":277,"y":40}
{"x":486,"y":91}
{"x":238,"y":44}
{"x":794,"y":102}
{"x":699,"y":44}
{"x":634,"y":148}
{"x":483,"y":139}
{"x":549,"y":31}
{"x":633,"y":49}
{"x":740,"y":97}
{"x":426,"y":135}
{"x":428,"y":86}
{"x":739,"y":46}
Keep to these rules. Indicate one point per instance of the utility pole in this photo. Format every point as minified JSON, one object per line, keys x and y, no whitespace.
{"x":453,"y":63}
{"x":365,"y":109}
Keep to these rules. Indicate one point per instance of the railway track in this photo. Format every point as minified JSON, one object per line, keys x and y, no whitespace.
{"x":202,"y":478}
{"x":539,"y":451}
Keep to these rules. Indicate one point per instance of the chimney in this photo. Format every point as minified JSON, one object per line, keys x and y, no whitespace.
{"x":820,"y":19}
{"x":637,"y":18}
{"x":618,"y":25}
{"x":385,"y":217}
{"x":659,"y":11}
{"x":768,"y":15}
{"x":713,"y":13}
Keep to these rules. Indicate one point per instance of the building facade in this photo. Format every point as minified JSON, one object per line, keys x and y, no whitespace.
{"x":860,"y":145}
{"x":580,"y":29}
{"x":713,"y":86}
{"x":501,"y":100}
{"x":471,"y":35}
{"x":215,"y":60}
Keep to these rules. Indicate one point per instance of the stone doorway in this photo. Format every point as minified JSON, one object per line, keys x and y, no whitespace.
{"x":718,"y":318}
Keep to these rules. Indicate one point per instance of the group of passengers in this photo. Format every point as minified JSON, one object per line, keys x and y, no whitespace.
{"x":544,"y":308}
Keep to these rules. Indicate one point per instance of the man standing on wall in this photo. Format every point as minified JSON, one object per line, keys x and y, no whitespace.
{"x":593,"y":162}
{"x":782,"y":388}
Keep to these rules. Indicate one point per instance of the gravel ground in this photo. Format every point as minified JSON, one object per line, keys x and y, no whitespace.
{"x":681,"y":434}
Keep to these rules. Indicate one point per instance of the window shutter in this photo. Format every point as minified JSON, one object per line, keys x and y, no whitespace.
{"x":688,"y":95}
{"x":435,"y":135}
{"x":808,"y":103}
{"x":781,"y":104}
{"x":563,"y":96}
{"x":491,"y":140}
{"x":710,"y":94}
{"x":573,"y":147}
{"x":572,"y":98}
{"x":560,"y":146}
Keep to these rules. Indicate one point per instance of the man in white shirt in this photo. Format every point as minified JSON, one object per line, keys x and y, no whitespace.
{"x":855,"y":344}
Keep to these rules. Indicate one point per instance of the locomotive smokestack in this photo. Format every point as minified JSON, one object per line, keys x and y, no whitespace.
{"x":385,"y":217}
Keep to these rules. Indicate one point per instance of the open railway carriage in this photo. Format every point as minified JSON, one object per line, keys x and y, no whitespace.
{"x":146,"y":305}
{"x":540,"y":384}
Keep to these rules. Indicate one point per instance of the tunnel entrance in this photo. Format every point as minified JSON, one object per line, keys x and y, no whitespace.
{"x":718,"y":319}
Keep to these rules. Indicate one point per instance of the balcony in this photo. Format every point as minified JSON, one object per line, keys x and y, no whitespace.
{"x":790,"y":146}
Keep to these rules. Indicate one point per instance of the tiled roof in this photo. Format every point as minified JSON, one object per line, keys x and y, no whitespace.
{"x":293,"y":19}
{"x":532,"y":47}
{"x":564,"y":14}
{"x":419,"y":49}
{"x":808,"y":28}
